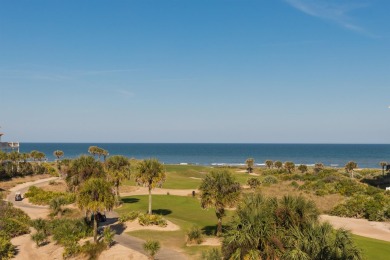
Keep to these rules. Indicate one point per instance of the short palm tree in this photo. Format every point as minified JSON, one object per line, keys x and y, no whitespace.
{"x":302,"y":168}
{"x":152,"y":247}
{"x":250,"y":162}
{"x":278,"y":164}
{"x":151,"y":174}
{"x":58,"y":154}
{"x":56,"y":206}
{"x":289,"y":166}
{"x":95,"y":196}
{"x":219,"y":190}
{"x":269,"y":164}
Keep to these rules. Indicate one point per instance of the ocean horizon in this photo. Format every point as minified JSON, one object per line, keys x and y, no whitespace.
{"x":336,"y":155}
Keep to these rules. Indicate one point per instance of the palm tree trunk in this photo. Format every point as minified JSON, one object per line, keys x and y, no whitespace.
{"x":150,"y":201}
{"x":219,"y":227}
{"x":95,"y":224}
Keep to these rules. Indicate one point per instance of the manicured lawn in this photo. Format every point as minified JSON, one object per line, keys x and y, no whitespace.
{"x":190,"y":176}
{"x":182,"y":211}
{"x":373,"y":248}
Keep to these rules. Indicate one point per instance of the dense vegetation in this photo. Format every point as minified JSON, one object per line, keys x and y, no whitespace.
{"x":39,"y":196}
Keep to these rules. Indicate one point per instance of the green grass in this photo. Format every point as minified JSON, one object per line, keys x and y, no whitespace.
{"x":190,"y":176}
{"x":182,"y":211}
{"x":373,"y":248}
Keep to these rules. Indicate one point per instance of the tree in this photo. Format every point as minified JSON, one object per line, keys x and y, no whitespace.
{"x":56,"y":206}
{"x":58,"y":154}
{"x":219,"y":190}
{"x":152,"y":247}
{"x":95,"y":196}
{"x":278,"y":164}
{"x":383,"y":165}
{"x":151,"y":174}
{"x":350,"y":166}
{"x":289,"y":166}
{"x":302,"y":168}
{"x":250,"y":162}
{"x":269,"y":164}
{"x":268,"y":228}
{"x":82,"y":169}
{"x":118,"y":170}
{"x":318,"y":167}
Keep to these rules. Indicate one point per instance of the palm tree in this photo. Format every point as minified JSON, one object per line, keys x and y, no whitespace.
{"x":318,"y":167}
{"x":58,"y":154}
{"x":82,"y":169}
{"x":151,"y":174}
{"x":93,"y":150}
{"x":289,"y":166}
{"x":95,"y":196}
{"x":56,"y":206}
{"x":267,"y":228}
{"x":219,"y":190}
{"x":250,"y":162}
{"x":269,"y":164}
{"x":118,"y":170}
{"x":278,"y":164}
{"x":383,"y":165}
{"x":302,"y":168}
{"x":350,"y":166}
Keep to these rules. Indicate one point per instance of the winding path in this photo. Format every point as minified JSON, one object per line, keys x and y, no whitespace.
{"x":35,"y":211}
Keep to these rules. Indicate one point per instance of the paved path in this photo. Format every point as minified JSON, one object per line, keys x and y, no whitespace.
{"x":36,"y":211}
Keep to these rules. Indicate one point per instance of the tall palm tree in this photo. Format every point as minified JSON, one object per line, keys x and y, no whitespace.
{"x":81,"y":169}
{"x":383,"y":165}
{"x":58,"y":154}
{"x":95,"y":196}
{"x":250,"y":162}
{"x":118,"y":170}
{"x":151,"y":174}
{"x":219,"y":190}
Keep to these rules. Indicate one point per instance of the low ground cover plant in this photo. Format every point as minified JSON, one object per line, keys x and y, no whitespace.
{"x":194,"y":235}
{"x":148,"y":220}
{"x":39,"y":196}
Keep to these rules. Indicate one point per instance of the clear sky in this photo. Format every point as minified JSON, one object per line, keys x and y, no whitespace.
{"x":251,"y":71}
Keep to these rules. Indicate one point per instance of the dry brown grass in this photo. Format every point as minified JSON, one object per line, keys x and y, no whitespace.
{"x":6,"y":185}
{"x":58,"y":186}
{"x":127,"y":188}
{"x":324,"y":203}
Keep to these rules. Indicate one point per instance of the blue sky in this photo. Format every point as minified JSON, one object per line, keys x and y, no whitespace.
{"x":251,"y":71}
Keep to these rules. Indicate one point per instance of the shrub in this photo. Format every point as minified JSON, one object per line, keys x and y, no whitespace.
{"x":41,"y":197}
{"x":152,"y":247}
{"x":108,"y":236}
{"x":147,"y":220}
{"x":270,"y":180}
{"x":66,"y":231}
{"x":295,"y":184}
{"x":194,"y":235}
{"x":253,"y":183}
{"x":93,"y":250}
{"x":40,"y":238}
{"x":212,"y":254}
{"x":130,"y":216}
{"x":13,"y":222}
{"x":71,"y":249}
{"x":7,"y":250}
{"x":302,"y":168}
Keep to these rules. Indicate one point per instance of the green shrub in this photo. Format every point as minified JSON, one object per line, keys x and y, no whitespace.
{"x":194,"y":235}
{"x":7,"y":250}
{"x":13,"y":222}
{"x":152,"y":247}
{"x":321,"y":192}
{"x":40,"y":238}
{"x":147,"y":220}
{"x":108,"y":236}
{"x":130,"y":216}
{"x":41,"y":197}
{"x":93,"y":250}
{"x":270,"y":180}
{"x":295,"y":184}
{"x":66,"y":231}
{"x":253,"y":182}
{"x":212,"y":254}
{"x":72,"y":249}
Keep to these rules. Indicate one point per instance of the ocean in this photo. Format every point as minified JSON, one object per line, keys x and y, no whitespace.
{"x":337,"y":155}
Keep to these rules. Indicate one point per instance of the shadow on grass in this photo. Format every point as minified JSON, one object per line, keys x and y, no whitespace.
{"x":381,"y":181}
{"x":210,"y":230}
{"x":130,"y":200}
{"x":163,"y":212}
